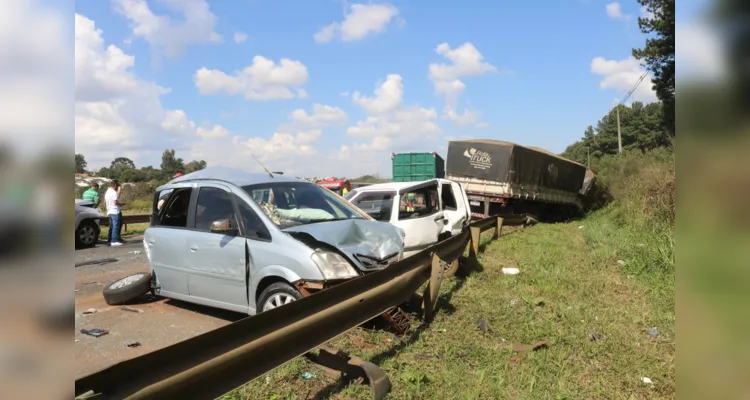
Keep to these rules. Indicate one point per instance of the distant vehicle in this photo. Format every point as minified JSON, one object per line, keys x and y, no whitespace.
{"x":87,"y":225}
{"x":507,"y":178}
{"x":428,"y":211}
{"x":416,"y":167}
{"x":250,"y":242}
{"x":336,"y":185}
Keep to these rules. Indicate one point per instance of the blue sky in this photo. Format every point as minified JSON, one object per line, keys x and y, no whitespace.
{"x":528,"y":76}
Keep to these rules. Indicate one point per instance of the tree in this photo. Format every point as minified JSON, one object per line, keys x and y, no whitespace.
{"x":194,"y":165}
{"x":169,"y":164}
{"x":658,"y":53}
{"x":118,"y":166}
{"x":80,"y":164}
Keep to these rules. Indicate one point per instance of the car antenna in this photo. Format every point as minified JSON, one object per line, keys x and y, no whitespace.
{"x":264,"y":167}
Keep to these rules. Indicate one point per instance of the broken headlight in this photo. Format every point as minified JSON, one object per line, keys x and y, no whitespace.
{"x":333,"y":265}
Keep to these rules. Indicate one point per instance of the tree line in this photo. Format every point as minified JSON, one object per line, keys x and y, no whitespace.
{"x":643,"y":127}
{"x":124,"y":169}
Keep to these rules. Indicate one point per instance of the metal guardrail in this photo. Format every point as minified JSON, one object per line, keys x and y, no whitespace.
{"x":128,"y":219}
{"x":214,"y":363}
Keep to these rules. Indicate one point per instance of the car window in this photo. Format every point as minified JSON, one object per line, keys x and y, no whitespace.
{"x":377,"y":205}
{"x":418,"y":203}
{"x":351,"y":194}
{"x":174,"y":209}
{"x":449,"y":200}
{"x":253,"y":225}
{"x":213,"y":204}
{"x":298,"y":203}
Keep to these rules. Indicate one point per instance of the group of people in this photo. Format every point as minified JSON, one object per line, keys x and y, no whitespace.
{"x":113,"y":206}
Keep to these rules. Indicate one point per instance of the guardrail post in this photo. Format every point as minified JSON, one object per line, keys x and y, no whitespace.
{"x":498,"y":227}
{"x":433,"y":287}
{"x":476,"y":233}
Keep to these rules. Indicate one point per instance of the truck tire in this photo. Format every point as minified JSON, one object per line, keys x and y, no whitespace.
{"x":127,"y":289}
{"x":277,"y":294}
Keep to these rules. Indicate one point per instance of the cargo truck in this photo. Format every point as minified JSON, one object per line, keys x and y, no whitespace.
{"x":414,"y":167}
{"x":506,"y":178}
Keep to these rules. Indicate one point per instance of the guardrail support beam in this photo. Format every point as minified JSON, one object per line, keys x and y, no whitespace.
{"x":433,"y":287}
{"x":476,"y":233}
{"x":498,"y":227}
{"x":353,"y":369}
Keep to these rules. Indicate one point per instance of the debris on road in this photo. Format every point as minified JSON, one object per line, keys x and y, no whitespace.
{"x":511,"y":271}
{"x":483,"y":325}
{"x":133,"y":345}
{"x":520,"y":348}
{"x":89,"y":311}
{"x":307,"y":375}
{"x":96,"y":332}
{"x":135,"y":252}
{"x":647,"y":380}
{"x":131,"y":309}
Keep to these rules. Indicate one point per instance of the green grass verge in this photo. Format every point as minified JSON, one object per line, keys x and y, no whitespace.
{"x":571,"y":289}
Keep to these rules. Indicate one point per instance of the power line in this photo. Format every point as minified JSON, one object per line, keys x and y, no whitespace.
{"x":634,"y":87}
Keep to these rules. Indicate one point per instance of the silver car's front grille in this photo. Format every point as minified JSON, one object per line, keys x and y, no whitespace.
{"x":373,"y":263}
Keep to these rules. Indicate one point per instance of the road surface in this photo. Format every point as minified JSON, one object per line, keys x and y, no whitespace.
{"x":162,"y":322}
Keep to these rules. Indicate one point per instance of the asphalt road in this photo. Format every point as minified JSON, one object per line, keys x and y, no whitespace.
{"x":161,"y":323}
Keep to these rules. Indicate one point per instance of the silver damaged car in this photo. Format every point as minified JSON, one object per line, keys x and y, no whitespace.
{"x":251,"y":242}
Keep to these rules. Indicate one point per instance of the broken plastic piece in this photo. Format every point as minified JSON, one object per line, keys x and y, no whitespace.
{"x":96,"y":332}
{"x":511,"y":271}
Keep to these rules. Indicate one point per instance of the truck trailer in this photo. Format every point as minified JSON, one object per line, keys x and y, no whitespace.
{"x":506,"y":178}
{"x":415,"y":167}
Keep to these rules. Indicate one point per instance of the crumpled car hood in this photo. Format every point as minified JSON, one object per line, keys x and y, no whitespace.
{"x":371,"y":245}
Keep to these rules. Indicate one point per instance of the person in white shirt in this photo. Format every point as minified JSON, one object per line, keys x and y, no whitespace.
{"x":112,"y":201}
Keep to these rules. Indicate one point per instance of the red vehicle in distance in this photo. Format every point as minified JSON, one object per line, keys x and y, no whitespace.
{"x":336,"y":185}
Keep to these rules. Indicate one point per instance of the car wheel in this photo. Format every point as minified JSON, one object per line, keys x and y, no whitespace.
{"x":277,"y":295}
{"x":126,"y":289}
{"x":87,"y":234}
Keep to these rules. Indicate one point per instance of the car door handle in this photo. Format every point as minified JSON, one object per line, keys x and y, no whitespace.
{"x":438,"y":218}
{"x":193,"y":249}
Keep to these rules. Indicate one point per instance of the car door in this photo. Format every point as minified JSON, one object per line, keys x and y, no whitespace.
{"x":216,"y":262}
{"x":419,"y":215}
{"x":455,"y":206}
{"x":165,"y":240}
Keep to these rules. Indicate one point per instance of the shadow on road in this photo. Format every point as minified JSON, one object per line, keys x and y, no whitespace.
{"x":103,"y":261}
{"x":229,"y":316}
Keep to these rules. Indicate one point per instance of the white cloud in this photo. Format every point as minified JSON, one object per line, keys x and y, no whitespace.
{"x":699,"y":54}
{"x":361,"y":20}
{"x":622,"y":76}
{"x":322,"y":115}
{"x":614,"y":11}
{"x":240,"y":37}
{"x":217,"y":132}
{"x":262,"y":80}
{"x":117,"y":111}
{"x":465,"y":61}
{"x":388,"y":118}
{"x":168,"y":35}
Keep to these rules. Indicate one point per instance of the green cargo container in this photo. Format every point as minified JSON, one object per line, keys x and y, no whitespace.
{"x":412,"y":167}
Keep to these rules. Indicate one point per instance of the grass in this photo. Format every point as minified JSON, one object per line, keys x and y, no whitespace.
{"x":571,"y":289}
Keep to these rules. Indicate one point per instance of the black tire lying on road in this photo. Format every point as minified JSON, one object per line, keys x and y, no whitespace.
{"x":127,"y":288}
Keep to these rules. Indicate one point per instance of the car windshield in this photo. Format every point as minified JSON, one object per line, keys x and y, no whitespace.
{"x":290,"y":204}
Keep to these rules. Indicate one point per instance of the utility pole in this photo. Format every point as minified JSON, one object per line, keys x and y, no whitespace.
{"x":619,"y":135}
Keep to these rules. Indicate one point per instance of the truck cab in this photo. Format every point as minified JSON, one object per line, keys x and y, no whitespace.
{"x":428,"y":211}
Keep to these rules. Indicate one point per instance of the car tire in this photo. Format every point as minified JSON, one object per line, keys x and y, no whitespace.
{"x":127,"y":289}
{"x":87,"y":234}
{"x":277,"y":294}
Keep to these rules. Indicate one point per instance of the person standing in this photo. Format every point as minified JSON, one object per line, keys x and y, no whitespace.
{"x":112,"y":201}
{"x":92,"y":194}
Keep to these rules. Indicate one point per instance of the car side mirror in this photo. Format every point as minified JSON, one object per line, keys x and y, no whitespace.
{"x":224,"y":226}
